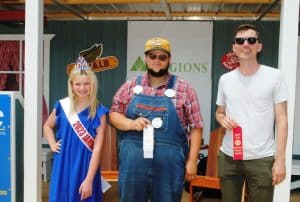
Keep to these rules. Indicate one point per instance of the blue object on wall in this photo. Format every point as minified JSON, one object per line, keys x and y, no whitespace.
{"x":5,"y":142}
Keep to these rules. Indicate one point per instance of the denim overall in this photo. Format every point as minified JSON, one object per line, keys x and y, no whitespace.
{"x":159,"y":179}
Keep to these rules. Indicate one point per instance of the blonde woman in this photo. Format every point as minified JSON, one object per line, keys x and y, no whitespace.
{"x":79,"y":120}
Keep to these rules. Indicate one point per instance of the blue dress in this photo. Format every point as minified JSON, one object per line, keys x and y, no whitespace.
{"x":70,"y":166}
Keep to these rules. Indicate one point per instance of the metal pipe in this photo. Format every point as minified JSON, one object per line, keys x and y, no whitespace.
{"x":70,"y":10}
{"x":166,"y":9}
{"x":268,"y":9}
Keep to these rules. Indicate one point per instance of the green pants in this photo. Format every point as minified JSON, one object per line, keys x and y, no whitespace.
{"x":257,"y":174}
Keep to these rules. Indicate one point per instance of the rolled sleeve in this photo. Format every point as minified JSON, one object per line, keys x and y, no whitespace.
{"x":122,"y":98}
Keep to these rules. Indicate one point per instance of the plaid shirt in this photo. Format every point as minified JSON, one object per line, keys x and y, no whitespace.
{"x":186,"y":100}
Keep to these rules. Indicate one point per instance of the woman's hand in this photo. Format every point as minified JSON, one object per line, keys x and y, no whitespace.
{"x":56,"y":146}
{"x":86,"y":189}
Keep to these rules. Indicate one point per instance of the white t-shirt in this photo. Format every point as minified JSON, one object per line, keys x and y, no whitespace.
{"x":250,"y":100}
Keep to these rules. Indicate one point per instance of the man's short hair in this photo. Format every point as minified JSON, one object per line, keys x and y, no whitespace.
{"x":245,"y":27}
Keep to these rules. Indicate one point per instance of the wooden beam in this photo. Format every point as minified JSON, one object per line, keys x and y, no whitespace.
{"x":168,"y":1}
{"x":110,"y":175}
{"x":62,"y":16}
{"x":82,"y":2}
{"x":206,"y":181}
{"x":223,"y":1}
{"x":69,"y":16}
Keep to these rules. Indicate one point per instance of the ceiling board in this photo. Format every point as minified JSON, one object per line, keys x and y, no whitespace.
{"x":152,"y":9}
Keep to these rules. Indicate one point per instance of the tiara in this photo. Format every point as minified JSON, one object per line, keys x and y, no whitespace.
{"x":81,"y":64}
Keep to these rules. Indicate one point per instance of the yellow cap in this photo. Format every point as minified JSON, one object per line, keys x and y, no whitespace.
{"x":157,"y":44}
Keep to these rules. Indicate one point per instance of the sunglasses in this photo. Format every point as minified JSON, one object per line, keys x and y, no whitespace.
{"x":160,"y":57}
{"x":241,"y":41}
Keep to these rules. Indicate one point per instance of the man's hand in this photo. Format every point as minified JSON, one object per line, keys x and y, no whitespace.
{"x":139,"y":124}
{"x":228,"y":123}
{"x":278,"y":171}
{"x":190,"y":170}
{"x":224,"y":120}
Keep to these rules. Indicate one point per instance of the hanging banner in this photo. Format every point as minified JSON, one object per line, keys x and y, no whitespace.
{"x":191,"y":49}
{"x":5,"y":153}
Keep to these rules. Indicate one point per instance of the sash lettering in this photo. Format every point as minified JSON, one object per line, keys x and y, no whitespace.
{"x":86,"y":138}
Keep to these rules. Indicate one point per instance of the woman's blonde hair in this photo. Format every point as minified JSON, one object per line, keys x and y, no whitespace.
{"x":93,"y":101}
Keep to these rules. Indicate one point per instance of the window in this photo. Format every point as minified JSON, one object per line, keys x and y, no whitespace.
{"x":11,"y":65}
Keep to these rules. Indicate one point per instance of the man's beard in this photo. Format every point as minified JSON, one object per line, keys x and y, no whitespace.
{"x":160,"y":73}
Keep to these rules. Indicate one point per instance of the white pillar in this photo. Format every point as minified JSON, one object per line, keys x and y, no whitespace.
{"x":288,"y":65}
{"x":46,"y":75}
{"x":33,"y":99}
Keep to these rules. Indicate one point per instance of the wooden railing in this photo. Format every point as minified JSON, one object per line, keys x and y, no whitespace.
{"x":109,"y":161}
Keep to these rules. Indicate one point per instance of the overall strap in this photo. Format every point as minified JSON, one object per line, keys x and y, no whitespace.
{"x":139,"y":80}
{"x":172,"y":82}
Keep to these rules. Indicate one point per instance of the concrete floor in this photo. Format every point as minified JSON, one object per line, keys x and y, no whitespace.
{"x":112,"y":194}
